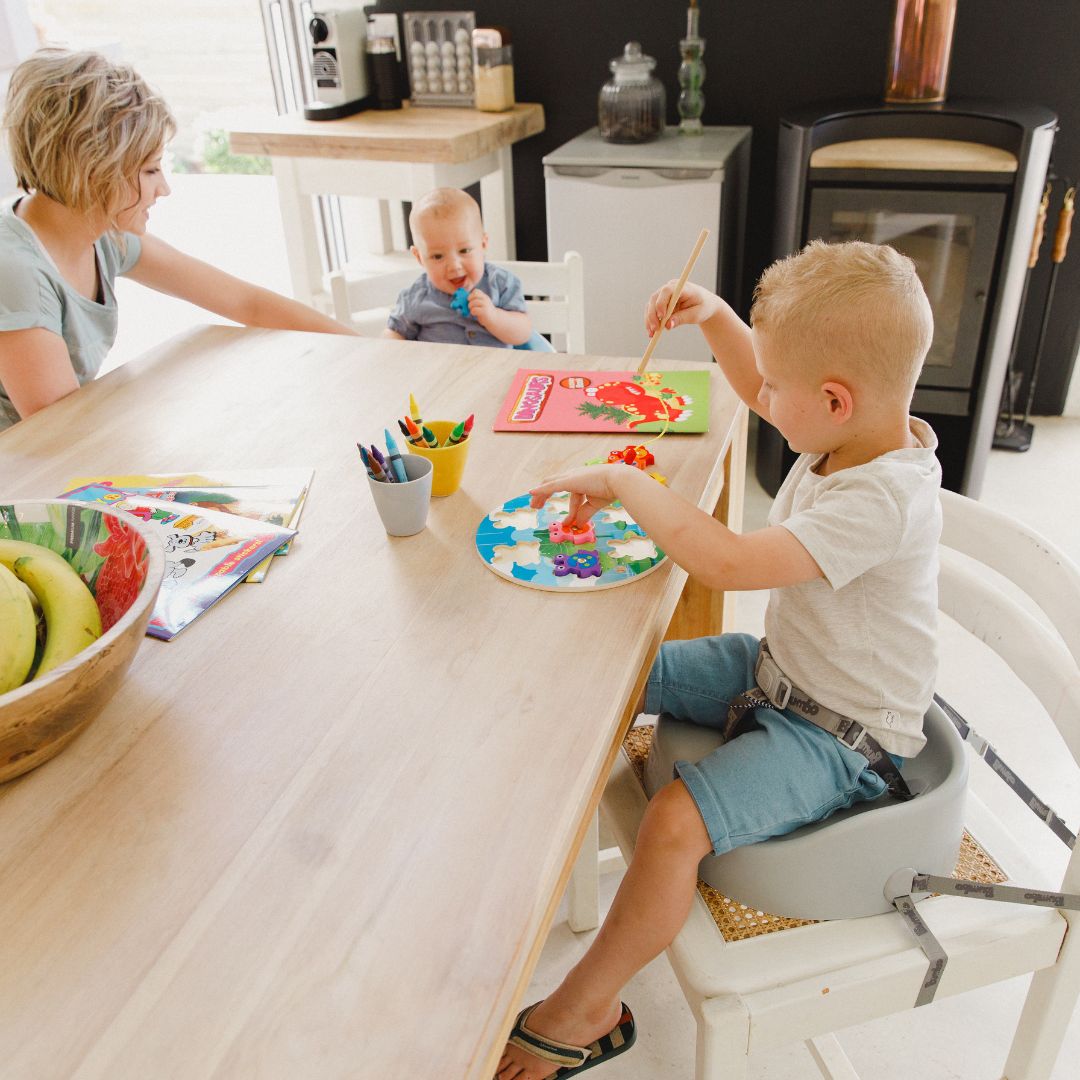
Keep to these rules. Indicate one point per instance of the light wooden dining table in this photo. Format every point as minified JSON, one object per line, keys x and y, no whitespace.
{"x":323,"y":832}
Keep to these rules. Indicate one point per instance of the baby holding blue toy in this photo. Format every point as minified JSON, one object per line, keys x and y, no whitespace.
{"x":460,"y":299}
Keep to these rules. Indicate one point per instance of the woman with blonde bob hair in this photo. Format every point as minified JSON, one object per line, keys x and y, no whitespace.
{"x":87,"y":137}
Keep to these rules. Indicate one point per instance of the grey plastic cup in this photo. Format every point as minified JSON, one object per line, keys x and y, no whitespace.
{"x":404,"y":507}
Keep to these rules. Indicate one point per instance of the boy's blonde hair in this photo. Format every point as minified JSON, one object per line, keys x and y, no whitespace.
{"x":854,"y":309}
{"x":443,"y":203}
{"x":80,"y":128}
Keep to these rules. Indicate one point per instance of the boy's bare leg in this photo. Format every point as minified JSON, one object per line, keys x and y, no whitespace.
{"x":648,"y":911}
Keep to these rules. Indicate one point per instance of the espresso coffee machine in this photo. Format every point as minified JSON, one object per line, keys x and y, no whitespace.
{"x":338,"y":62}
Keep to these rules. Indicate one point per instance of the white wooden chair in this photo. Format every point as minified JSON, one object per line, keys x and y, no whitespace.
{"x":802,"y":984}
{"x":554,"y":292}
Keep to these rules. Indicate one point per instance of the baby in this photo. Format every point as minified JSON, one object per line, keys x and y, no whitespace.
{"x":449,"y":243}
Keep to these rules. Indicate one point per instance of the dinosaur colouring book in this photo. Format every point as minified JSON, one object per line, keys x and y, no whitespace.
{"x":672,"y":402}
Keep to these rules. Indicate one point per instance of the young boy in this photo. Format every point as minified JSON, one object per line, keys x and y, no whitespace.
{"x":449,"y":243}
{"x":850,"y":554}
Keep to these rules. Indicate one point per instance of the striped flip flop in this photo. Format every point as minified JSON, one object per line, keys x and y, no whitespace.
{"x":574,"y":1059}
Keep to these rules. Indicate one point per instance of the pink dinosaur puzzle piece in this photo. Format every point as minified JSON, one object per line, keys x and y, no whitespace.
{"x":560,"y":533}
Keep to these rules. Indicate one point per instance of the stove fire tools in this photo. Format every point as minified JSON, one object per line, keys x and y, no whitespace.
{"x":1012,"y":434}
{"x":1005,"y":431}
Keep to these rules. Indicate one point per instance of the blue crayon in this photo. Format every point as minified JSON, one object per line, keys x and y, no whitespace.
{"x":394,"y":455}
{"x":364,"y":458}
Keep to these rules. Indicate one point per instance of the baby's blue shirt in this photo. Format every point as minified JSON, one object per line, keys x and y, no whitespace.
{"x":423,"y":313}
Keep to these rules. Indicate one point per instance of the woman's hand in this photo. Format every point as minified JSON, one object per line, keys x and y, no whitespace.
{"x":591,"y":489}
{"x":695,"y":305}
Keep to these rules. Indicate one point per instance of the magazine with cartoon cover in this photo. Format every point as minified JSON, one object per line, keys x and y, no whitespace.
{"x":275,"y":495}
{"x":207,"y":552}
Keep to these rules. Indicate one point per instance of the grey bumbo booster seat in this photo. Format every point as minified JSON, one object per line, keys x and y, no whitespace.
{"x":837,"y":868}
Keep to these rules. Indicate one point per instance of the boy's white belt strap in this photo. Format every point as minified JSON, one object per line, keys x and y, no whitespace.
{"x":778,"y":691}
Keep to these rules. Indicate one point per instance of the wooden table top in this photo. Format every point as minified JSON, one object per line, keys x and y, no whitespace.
{"x":420,"y":134}
{"x":324,"y":831}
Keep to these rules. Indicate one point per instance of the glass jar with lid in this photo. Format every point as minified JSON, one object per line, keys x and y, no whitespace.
{"x":632,"y":102}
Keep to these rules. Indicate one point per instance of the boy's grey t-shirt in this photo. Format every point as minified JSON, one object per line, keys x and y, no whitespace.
{"x":423,"y":313}
{"x":33,"y":294}
{"x":862,"y":640}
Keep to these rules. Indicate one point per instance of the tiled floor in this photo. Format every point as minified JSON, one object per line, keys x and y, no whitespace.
{"x":964,"y":1038}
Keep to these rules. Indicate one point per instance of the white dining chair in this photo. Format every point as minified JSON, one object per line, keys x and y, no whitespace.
{"x":755,"y":981}
{"x":554,"y":293}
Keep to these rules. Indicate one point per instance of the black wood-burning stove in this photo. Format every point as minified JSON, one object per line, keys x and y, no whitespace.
{"x":954,"y":186}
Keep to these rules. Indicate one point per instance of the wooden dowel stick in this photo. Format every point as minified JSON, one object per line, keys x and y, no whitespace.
{"x":674,"y":299}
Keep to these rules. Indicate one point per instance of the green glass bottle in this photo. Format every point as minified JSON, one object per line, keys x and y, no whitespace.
{"x":691,"y":102}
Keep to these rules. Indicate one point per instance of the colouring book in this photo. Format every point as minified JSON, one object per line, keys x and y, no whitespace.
{"x":275,"y":496}
{"x":207,"y":552}
{"x":672,"y":402}
{"x":529,"y":547}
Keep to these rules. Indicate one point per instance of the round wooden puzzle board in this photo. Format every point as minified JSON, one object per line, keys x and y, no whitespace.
{"x":513,"y":542}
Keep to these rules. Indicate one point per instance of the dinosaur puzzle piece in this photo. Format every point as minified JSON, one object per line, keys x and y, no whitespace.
{"x":585,"y":564}
{"x":461,"y":302}
{"x":637,"y":456}
{"x":560,"y":533}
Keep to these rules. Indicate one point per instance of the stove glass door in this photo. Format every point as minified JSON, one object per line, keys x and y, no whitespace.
{"x":951,"y":236}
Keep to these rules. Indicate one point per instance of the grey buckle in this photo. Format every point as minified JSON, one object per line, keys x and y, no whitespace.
{"x":772,"y":681}
{"x":850,"y":733}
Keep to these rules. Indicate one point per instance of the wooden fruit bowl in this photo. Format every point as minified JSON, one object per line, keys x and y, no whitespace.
{"x":123,"y":563}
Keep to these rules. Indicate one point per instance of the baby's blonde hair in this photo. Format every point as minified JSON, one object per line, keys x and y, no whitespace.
{"x":853,"y":310}
{"x":443,"y":203}
{"x":80,"y":128}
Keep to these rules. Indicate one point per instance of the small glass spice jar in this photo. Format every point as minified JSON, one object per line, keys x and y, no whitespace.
{"x":632,"y":102}
{"x":493,"y":78}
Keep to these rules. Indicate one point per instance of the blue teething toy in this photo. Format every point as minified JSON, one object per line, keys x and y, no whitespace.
{"x":461,"y":302}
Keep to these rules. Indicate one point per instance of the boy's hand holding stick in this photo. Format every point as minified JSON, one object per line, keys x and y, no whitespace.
{"x":674,"y":299}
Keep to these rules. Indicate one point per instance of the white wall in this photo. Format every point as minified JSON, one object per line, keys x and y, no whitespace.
{"x":17,"y":41}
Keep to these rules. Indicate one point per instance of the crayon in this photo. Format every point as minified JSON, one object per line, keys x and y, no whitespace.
{"x":414,"y":411}
{"x":377,"y":457}
{"x":429,"y":437}
{"x":394,"y":455}
{"x":468,"y":424}
{"x":404,"y":430}
{"x":414,"y":432}
{"x":365,"y":459}
{"x":377,"y":470}
{"x":456,"y":435}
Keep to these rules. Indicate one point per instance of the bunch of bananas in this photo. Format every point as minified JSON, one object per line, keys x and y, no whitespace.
{"x":47,"y":614}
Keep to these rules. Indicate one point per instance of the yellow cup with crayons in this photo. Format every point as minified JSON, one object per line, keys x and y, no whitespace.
{"x":448,"y":462}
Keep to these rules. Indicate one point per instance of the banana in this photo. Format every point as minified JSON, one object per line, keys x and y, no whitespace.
{"x":18,"y":631}
{"x":72,"y":620}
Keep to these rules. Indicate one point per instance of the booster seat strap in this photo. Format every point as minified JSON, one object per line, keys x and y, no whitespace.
{"x":981,"y":747}
{"x":933,"y":950}
{"x":776,"y":690}
{"x":936,"y":956}
{"x":980,"y":890}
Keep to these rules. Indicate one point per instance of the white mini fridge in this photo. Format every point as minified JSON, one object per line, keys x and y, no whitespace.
{"x":634,"y":212}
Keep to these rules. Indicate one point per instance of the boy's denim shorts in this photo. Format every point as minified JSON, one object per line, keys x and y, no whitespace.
{"x":780,"y":773}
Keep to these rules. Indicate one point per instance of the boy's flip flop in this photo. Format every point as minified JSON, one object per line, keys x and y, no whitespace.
{"x":574,"y":1059}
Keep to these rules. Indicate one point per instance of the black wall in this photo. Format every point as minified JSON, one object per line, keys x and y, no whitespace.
{"x":767,"y":57}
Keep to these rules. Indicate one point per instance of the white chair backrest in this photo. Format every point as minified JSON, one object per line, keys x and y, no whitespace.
{"x":555,"y":293}
{"x":1047,"y":662}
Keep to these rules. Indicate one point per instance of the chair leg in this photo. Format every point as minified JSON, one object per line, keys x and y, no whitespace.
{"x":1048,"y":1009}
{"x":723,"y":1039}
{"x":830,"y":1058}
{"x":583,"y":890}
